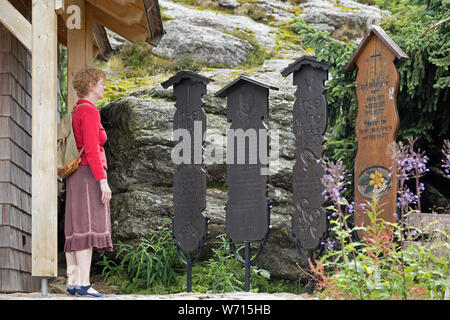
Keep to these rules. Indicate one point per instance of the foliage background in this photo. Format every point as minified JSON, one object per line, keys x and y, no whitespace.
{"x":424,"y":79}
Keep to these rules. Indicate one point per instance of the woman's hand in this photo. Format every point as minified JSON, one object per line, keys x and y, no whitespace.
{"x":106,"y":191}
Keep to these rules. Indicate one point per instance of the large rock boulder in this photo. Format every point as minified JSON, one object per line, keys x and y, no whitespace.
{"x":345,"y":17}
{"x":202,"y":44}
{"x":139,"y":142}
{"x":262,"y":33}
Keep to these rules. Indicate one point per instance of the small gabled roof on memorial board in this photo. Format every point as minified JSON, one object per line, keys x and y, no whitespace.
{"x":222,"y":93}
{"x":304,"y":60}
{"x":388,"y":42}
{"x":185,"y":74}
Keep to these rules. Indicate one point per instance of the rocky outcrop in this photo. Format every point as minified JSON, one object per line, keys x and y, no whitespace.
{"x":344,"y":17}
{"x":207,"y":35}
{"x":222,"y":22}
{"x":229,"y":3}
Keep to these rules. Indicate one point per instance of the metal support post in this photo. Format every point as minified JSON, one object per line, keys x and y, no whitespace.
{"x":189,"y":272}
{"x":247,"y":266}
{"x":44,"y":287}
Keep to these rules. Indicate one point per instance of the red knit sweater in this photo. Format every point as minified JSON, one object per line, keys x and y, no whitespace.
{"x":89,"y":132}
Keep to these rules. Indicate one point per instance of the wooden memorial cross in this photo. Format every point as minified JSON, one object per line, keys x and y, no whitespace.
{"x":247,"y":212}
{"x":309,"y":220}
{"x":377,"y":123}
{"x":190,"y":225}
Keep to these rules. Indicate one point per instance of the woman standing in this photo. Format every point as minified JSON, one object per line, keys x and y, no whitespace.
{"x":87,"y":216}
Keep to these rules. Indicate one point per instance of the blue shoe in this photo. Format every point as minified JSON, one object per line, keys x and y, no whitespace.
{"x":82,"y":291}
{"x":71,"y":290}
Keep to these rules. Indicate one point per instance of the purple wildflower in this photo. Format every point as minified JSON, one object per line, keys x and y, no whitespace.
{"x":351,"y":207}
{"x":406,"y":198}
{"x":410,"y":164}
{"x":421,"y":187}
{"x":329,"y":244}
{"x":417,"y":160}
{"x":333,"y":180}
{"x":446,"y":160}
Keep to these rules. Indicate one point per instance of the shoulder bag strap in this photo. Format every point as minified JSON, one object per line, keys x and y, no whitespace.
{"x":74,"y":109}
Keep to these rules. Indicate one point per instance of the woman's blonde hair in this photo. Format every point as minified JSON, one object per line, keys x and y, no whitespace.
{"x":83,"y":80}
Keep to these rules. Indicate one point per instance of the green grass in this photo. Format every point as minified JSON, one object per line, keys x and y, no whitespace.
{"x":152,"y":267}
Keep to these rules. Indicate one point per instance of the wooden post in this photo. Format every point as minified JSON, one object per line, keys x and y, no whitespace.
{"x":59,"y":6}
{"x":44,"y":182}
{"x":79,"y":47}
{"x":376,"y":124}
{"x":16,"y":23}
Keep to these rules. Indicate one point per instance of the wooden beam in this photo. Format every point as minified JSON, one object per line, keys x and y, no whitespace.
{"x":127,"y":14}
{"x":59,"y":6}
{"x":80,"y":51}
{"x":125,"y":2}
{"x":102,"y":41}
{"x":15,"y":22}
{"x":62,"y":31}
{"x":76,"y":59}
{"x":132,"y":33}
{"x":44,"y":252}
{"x":88,"y":35}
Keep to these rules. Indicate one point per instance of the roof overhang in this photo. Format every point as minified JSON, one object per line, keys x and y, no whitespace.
{"x":134,"y":20}
{"x":376,"y":31}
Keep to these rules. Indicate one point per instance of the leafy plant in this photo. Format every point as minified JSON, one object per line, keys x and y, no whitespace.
{"x":224,"y":273}
{"x":381,"y":266}
{"x":63,"y":76}
{"x":152,"y":266}
{"x":149,"y":262}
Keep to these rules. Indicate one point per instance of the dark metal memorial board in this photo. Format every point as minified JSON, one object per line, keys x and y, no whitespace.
{"x":309,"y":220}
{"x":247,"y":109}
{"x":189,"y":183}
{"x":377,"y":123}
{"x":189,"y":197}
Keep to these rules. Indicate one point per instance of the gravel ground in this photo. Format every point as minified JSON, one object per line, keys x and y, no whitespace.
{"x":178,"y":296}
{"x":57,"y":289}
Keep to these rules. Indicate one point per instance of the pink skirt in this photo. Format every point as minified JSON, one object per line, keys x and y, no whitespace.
{"x":87,"y":219}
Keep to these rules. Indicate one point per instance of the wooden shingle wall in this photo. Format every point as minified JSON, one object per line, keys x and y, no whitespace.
{"x":15,"y":165}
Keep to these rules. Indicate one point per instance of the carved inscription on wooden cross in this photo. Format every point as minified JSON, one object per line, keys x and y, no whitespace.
{"x":189,"y":183}
{"x":310,"y":122}
{"x":377,"y":123}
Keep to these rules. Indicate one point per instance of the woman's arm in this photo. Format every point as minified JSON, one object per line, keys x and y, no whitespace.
{"x":106,"y":191}
{"x":90,"y":129}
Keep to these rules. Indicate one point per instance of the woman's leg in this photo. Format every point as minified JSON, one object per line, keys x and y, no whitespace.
{"x":84,"y":258}
{"x":73,"y":271}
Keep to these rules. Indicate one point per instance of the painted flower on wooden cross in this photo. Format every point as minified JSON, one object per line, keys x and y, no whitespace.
{"x":374,"y":180}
